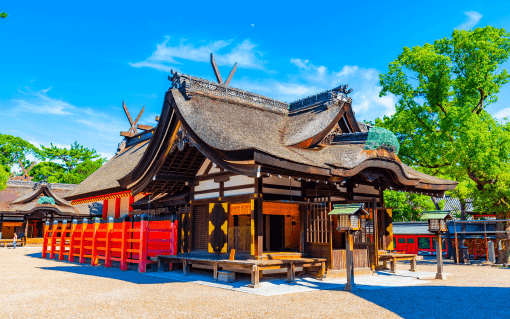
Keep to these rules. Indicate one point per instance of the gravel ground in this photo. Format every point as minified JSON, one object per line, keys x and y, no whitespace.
{"x":31,"y":287}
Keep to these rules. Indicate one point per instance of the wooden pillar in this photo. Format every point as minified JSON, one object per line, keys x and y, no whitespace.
{"x":71,"y":241}
{"x":46,"y":230}
{"x":144,"y":234}
{"x":117,"y":208}
{"x":62,"y":249}
{"x":1,"y":224}
{"x":108,"y":246}
{"x":105,"y":209}
{"x":93,"y":258}
{"x":260,"y":227}
{"x":376,"y":232}
{"x":350,"y":285}
{"x":53,"y":238}
{"x":82,"y":241}
{"x":439,"y":255}
{"x":123,"y":246}
{"x":268,"y":234}
{"x":304,"y":221}
{"x":26,"y":228}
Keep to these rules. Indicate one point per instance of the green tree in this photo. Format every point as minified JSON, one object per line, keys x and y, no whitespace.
{"x":13,"y":150}
{"x":440,"y":120}
{"x":62,"y":165}
{"x":407,"y":206}
{"x":3,"y":15}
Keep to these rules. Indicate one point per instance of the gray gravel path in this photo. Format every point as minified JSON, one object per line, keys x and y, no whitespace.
{"x":31,"y":287}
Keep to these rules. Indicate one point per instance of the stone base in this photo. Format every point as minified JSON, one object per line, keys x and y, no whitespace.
{"x":441,"y":276}
{"x":350,"y":287}
{"x":226,"y":276}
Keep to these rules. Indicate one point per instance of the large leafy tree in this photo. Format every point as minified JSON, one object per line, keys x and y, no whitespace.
{"x":408,"y":206}
{"x":62,"y":165}
{"x":13,"y":150}
{"x":440,"y":120}
{"x":3,"y":15}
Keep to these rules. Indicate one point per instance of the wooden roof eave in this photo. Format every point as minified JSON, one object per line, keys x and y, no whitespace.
{"x":161,"y":144}
{"x":156,"y":152}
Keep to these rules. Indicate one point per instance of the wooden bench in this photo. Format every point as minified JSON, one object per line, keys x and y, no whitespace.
{"x":393,"y":257}
{"x":254,"y":267}
{"x":19,"y":243}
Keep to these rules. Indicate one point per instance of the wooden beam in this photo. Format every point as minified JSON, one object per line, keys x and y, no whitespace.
{"x":127,"y":134}
{"x":173,"y":178}
{"x":214,"y":176}
{"x":231,"y":74}
{"x":144,"y":127}
{"x":215,"y":69}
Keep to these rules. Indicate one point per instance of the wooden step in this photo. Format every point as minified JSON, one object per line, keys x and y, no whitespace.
{"x":280,"y":255}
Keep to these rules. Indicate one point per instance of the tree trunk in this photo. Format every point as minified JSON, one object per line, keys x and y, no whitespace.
{"x":503,"y":242}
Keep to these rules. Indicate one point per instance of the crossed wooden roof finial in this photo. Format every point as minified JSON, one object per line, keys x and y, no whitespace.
{"x":25,"y":176}
{"x":217,"y":72}
{"x":133,"y":129}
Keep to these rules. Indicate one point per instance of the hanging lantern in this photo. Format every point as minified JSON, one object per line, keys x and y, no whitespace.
{"x":348,"y":216}
{"x":437,"y":220}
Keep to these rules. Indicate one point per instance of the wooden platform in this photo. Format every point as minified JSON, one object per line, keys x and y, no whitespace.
{"x":393,"y":257}
{"x":252,"y":266}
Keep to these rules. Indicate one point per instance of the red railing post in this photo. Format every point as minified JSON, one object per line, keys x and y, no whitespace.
{"x":93,"y":258}
{"x":124,"y":243}
{"x":71,"y":241}
{"x":82,"y":241}
{"x":46,"y":230}
{"x":175,"y":234}
{"x":62,"y":249}
{"x":109,"y":237}
{"x":144,"y":233}
{"x":53,"y":238}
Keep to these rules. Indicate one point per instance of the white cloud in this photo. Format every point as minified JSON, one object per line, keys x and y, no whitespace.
{"x":39,"y":102}
{"x":312,"y":79}
{"x":472,"y":19}
{"x":501,"y":114}
{"x":226,"y":53}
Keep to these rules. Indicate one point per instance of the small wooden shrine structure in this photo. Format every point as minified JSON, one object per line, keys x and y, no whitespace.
{"x":25,"y":206}
{"x":250,"y":174}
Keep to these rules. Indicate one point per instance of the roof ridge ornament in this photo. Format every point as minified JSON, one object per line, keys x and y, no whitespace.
{"x":217,"y":72}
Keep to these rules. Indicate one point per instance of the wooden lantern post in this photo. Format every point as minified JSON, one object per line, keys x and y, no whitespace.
{"x":439,"y":256}
{"x":437,"y":225}
{"x":349,"y":222}
{"x":350,"y":285}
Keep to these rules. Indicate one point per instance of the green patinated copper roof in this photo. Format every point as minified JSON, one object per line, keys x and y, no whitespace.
{"x":46,"y":200}
{"x":347,"y":209}
{"x":438,"y":214}
{"x":379,"y":137}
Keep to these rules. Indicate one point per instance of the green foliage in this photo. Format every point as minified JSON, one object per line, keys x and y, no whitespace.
{"x":4,"y":176}
{"x":440,"y":119}
{"x":3,"y":15}
{"x":14,"y":149}
{"x":408,"y":206}
{"x":46,"y":200}
{"x":62,"y":165}
{"x":379,"y":137}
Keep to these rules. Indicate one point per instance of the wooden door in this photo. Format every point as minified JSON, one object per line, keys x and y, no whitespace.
{"x":200,"y":227}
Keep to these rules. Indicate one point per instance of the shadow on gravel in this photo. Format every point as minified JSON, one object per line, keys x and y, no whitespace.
{"x":112,"y":273}
{"x":442,"y":301}
{"x":131,"y":276}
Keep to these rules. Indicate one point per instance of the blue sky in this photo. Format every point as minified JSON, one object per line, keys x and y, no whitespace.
{"x":65,"y":68}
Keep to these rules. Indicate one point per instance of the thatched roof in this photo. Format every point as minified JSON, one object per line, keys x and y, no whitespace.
{"x":249,"y":134}
{"x":21,"y":198}
{"x":104,"y":180}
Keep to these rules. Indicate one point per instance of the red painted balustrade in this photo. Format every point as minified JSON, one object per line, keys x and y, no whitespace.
{"x":124,"y":240}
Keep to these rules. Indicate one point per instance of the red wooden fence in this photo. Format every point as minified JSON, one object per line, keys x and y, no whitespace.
{"x":124,"y":241}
